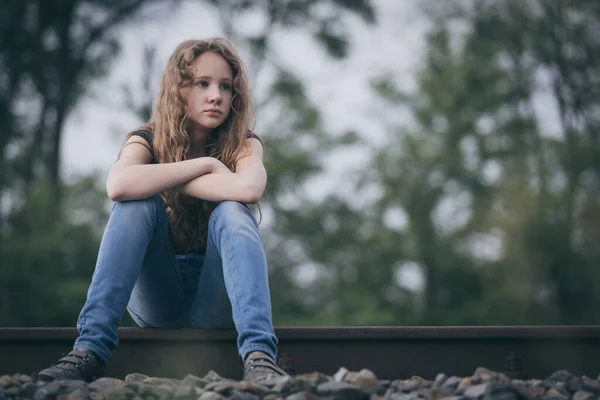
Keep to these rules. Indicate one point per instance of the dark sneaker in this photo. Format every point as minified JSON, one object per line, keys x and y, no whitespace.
{"x":80,"y":364}
{"x":260,"y":366}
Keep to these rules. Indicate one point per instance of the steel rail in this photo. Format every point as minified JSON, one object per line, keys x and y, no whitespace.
{"x":390,"y":352}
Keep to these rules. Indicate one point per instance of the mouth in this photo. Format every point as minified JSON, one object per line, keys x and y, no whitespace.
{"x":214,"y":111}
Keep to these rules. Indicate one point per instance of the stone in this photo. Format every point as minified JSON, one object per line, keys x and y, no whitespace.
{"x":452,"y":382}
{"x":439,"y":380}
{"x":78,"y":394}
{"x":194,"y":381}
{"x":434,"y":393}
{"x":475,"y":391}
{"x":340,"y":390}
{"x":211,"y":396}
{"x":340,"y":374}
{"x":301,"y":396}
{"x":212,"y":376}
{"x":591,"y":385}
{"x":162,"y":381}
{"x":224,"y":387}
{"x":48,"y":391}
{"x":251,"y":387}
{"x":583,"y":395}
{"x":28,"y":390}
{"x":464,"y":383}
{"x":7,"y":381}
{"x":309,"y":382}
{"x":135,"y":377}
{"x":185,"y":392}
{"x":554,"y":394}
{"x":364,"y":378}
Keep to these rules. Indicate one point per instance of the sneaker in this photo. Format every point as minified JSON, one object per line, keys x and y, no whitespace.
{"x":260,"y":366}
{"x":79,"y":364}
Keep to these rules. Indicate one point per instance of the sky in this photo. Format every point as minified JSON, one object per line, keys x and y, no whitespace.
{"x":340,"y":89}
{"x":95,"y":130}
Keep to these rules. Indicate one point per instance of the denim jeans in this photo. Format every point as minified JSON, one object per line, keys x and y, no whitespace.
{"x":138,"y":270}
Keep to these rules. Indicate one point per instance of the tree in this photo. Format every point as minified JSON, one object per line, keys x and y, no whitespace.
{"x":49,"y":53}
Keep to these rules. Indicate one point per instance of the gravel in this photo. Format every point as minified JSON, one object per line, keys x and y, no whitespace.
{"x":484,"y":384}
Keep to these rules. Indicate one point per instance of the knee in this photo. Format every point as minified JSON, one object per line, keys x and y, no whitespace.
{"x":133,"y":209}
{"x":232,"y":213}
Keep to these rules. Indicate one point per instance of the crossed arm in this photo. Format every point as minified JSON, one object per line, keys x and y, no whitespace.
{"x":132,"y":177}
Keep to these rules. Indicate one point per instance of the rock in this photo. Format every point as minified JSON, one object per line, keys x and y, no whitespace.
{"x":245,"y":396}
{"x":583,"y":395}
{"x":591,"y":385}
{"x":439,"y":380}
{"x":364,"y":378}
{"x":78,"y":394}
{"x":464,"y":383}
{"x":103,"y":384}
{"x":434,"y":393}
{"x":340,"y":390}
{"x":339,"y":376}
{"x":554,"y":394}
{"x":12,"y":392}
{"x":252,"y":387}
{"x":136,"y":377}
{"x":211,"y":396}
{"x":301,"y":396}
{"x":452,"y":382}
{"x":309,"y":382}
{"x":418,"y":379}
{"x":194,"y":381}
{"x":475,"y":391}
{"x":212,"y":376}
{"x":7,"y":381}
{"x":162,"y":381}
{"x":48,"y":391}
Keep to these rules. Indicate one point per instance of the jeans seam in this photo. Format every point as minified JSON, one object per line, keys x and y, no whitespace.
{"x":215,"y":221}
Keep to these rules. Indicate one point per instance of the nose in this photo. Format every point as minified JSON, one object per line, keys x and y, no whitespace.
{"x":214,"y":94}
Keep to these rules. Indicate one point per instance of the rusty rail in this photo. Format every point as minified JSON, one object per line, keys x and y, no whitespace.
{"x":390,"y":352}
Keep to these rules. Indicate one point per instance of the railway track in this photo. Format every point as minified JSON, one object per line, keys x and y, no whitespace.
{"x":390,"y":352}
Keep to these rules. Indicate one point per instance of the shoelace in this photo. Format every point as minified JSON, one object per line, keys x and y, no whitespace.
{"x":72,"y":358}
{"x":264,"y":363}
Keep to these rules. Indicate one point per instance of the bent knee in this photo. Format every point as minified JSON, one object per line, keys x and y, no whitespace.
{"x":147,"y":206}
{"x":230,"y":212}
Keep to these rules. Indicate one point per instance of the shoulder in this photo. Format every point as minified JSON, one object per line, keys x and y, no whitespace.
{"x":145,"y":134}
{"x":252,"y":135}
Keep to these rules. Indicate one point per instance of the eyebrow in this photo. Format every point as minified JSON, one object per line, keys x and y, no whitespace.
{"x":210,"y":77}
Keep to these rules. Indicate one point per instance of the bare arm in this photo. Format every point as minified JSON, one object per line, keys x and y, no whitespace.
{"x":246,"y":185}
{"x":132,"y":177}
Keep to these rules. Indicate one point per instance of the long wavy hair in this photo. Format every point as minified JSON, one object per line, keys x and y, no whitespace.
{"x":170,"y":123}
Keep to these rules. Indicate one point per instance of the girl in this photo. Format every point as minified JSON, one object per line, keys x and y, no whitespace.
{"x":181,"y":247}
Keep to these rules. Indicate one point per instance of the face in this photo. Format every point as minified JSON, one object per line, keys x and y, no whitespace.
{"x":209,"y":98}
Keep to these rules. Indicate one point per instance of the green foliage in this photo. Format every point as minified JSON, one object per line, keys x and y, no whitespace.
{"x":496,"y":216}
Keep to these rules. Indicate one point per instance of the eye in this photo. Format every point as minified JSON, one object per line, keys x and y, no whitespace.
{"x":202,"y":84}
{"x":225,"y":86}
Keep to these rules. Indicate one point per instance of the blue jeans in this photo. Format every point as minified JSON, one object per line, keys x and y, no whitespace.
{"x":138,"y":270}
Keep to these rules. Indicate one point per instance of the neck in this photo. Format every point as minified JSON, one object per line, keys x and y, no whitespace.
{"x":198,"y":138}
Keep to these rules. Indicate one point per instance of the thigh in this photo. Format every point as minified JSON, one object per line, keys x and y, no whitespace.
{"x":210,"y":307}
{"x":158,"y":295}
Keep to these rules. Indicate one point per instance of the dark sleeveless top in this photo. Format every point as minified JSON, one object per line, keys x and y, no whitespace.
{"x":147,"y":136}
{"x":198,"y":219}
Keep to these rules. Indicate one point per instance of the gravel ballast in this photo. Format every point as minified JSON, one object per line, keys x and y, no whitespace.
{"x":483,"y":384}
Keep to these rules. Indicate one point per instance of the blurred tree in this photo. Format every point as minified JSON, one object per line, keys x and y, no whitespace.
{"x":497,"y":174}
{"x":49,"y":53}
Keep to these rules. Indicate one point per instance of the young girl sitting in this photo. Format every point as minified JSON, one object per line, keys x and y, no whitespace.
{"x":182,"y":247}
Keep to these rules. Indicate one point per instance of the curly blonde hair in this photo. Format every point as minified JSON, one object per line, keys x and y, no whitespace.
{"x":171,"y":142}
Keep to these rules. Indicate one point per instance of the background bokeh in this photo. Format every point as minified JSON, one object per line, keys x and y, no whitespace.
{"x":430,"y":162}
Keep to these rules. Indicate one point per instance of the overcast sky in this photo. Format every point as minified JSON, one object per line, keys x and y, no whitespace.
{"x":95,"y":130}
